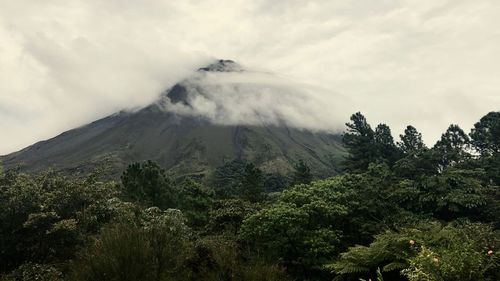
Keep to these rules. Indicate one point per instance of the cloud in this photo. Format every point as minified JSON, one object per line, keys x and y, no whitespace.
{"x":422,"y":62}
{"x":258,"y":98}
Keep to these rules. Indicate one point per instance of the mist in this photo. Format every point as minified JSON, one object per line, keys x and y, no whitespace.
{"x":260,"y":98}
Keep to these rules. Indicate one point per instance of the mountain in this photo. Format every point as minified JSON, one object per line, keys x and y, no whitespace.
{"x":181,"y":143}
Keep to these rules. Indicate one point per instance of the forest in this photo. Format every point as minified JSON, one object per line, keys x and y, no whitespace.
{"x":400,"y":210}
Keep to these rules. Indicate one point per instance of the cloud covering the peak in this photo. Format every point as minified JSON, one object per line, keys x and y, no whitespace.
{"x":422,"y":62}
{"x":259,"y":98}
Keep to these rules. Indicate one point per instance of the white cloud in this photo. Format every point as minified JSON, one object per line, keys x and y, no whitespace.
{"x":422,"y":62}
{"x":259,"y":98}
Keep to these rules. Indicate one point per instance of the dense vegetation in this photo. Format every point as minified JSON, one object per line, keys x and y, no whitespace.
{"x":400,"y":211}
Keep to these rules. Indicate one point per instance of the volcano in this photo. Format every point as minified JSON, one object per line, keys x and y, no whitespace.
{"x":181,"y":141}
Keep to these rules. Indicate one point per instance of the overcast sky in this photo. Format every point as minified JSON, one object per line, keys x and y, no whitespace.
{"x":428,"y":63}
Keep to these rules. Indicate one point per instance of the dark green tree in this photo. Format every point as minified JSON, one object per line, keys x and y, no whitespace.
{"x":417,"y":160}
{"x":451,"y":148}
{"x":275,"y":182}
{"x":360,"y":144}
{"x":411,"y":142}
{"x":195,"y":201}
{"x":384,"y":142}
{"x":227,"y":215}
{"x":46,"y":217}
{"x":252,"y":184}
{"x":146,"y":182}
{"x":485,"y":136}
{"x":451,"y":194}
{"x":302,"y":173}
{"x":226,"y":179}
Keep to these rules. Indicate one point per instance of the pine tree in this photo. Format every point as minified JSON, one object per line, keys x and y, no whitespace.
{"x":387,"y":151}
{"x":360,"y":144}
{"x":451,"y":148}
{"x":147,"y":182}
{"x":411,"y":142}
{"x":485,"y":136}
{"x":302,"y":173}
{"x":251,"y":186}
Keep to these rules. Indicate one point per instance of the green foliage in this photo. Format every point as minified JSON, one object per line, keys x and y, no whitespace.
{"x":238,"y":179}
{"x":215,"y":258}
{"x":251,"y":186}
{"x":146,"y":182}
{"x":459,"y":252}
{"x":302,"y":173}
{"x":404,"y":211}
{"x":411,"y":142}
{"x":485,"y":136}
{"x":452,"y":194}
{"x":226,"y":179}
{"x":195,"y":201}
{"x":274,"y":182}
{"x":387,"y":151}
{"x":44,"y":218}
{"x":359,"y":141}
{"x":152,"y":250}
{"x":450,"y":149}
{"x":310,"y":223}
{"x":228,"y":215}
{"x":32,"y":272}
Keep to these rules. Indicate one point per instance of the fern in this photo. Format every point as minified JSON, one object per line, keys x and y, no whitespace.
{"x":396,"y":265}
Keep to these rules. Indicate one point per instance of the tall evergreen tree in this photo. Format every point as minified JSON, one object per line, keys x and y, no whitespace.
{"x":302,"y":173}
{"x":485,"y":136}
{"x":252,"y":183}
{"x":411,"y":142}
{"x":387,"y":150}
{"x":451,"y":148}
{"x":359,"y":141}
{"x":147,"y":182}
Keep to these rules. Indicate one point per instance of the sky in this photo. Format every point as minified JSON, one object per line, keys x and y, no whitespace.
{"x":428,"y":63}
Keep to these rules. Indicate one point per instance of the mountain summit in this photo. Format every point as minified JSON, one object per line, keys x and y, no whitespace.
{"x":222,"y":66}
{"x":181,"y":143}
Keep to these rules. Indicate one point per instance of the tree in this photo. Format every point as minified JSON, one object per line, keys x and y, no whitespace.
{"x":153,"y":249}
{"x":302,"y":227}
{"x":302,"y":173}
{"x":226,"y":179}
{"x":359,"y":142}
{"x":384,"y":142}
{"x":411,"y":142}
{"x":227,"y":215}
{"x":275,"y":182}
{"x":450,"y":149}
{"x":452,"y":194}
{"x":252,"y":184}
{"x":146,"y":182}
{"x":485,"y":136}
{"x":46,"y":217}
{"x":195,"y":201}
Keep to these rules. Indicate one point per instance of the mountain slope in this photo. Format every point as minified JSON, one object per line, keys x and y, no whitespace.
{"x":184,"y":144}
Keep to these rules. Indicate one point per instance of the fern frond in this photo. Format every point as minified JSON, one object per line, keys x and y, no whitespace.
{"x":397,"y":265}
